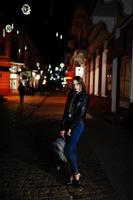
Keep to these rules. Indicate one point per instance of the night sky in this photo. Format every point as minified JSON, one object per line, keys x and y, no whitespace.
{"x":45,"y":19}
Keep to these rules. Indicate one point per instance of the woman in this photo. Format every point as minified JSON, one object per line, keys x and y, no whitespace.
{"x":72,"y":125}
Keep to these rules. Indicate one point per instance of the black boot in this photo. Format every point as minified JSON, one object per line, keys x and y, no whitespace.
{"x":76,"y":182}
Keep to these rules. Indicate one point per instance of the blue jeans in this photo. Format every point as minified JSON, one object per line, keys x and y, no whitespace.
{"x":70,"y":147}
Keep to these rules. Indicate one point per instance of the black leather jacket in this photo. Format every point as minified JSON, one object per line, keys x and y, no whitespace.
{"x":75,"y":109}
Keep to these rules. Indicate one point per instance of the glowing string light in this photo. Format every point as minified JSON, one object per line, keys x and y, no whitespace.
{"x":26,"y":9}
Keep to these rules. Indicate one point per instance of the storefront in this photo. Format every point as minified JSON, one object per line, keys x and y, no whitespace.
{"x":15,"y":71}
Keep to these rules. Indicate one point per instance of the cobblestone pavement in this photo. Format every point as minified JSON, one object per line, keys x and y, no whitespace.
{"x":27,"y":167}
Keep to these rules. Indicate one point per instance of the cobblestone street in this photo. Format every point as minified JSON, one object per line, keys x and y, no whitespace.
{"x":27,"y":168}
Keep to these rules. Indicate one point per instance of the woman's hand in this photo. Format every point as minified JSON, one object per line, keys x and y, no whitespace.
{"x":62,"y":133}
{"x":69,"y":132}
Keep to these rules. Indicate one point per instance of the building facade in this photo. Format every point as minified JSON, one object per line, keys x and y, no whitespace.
{"x":107,"y":57}
{"x":18,"y":58}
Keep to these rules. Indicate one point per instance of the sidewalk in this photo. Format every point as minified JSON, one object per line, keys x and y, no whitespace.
{"x":113,"y":144}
